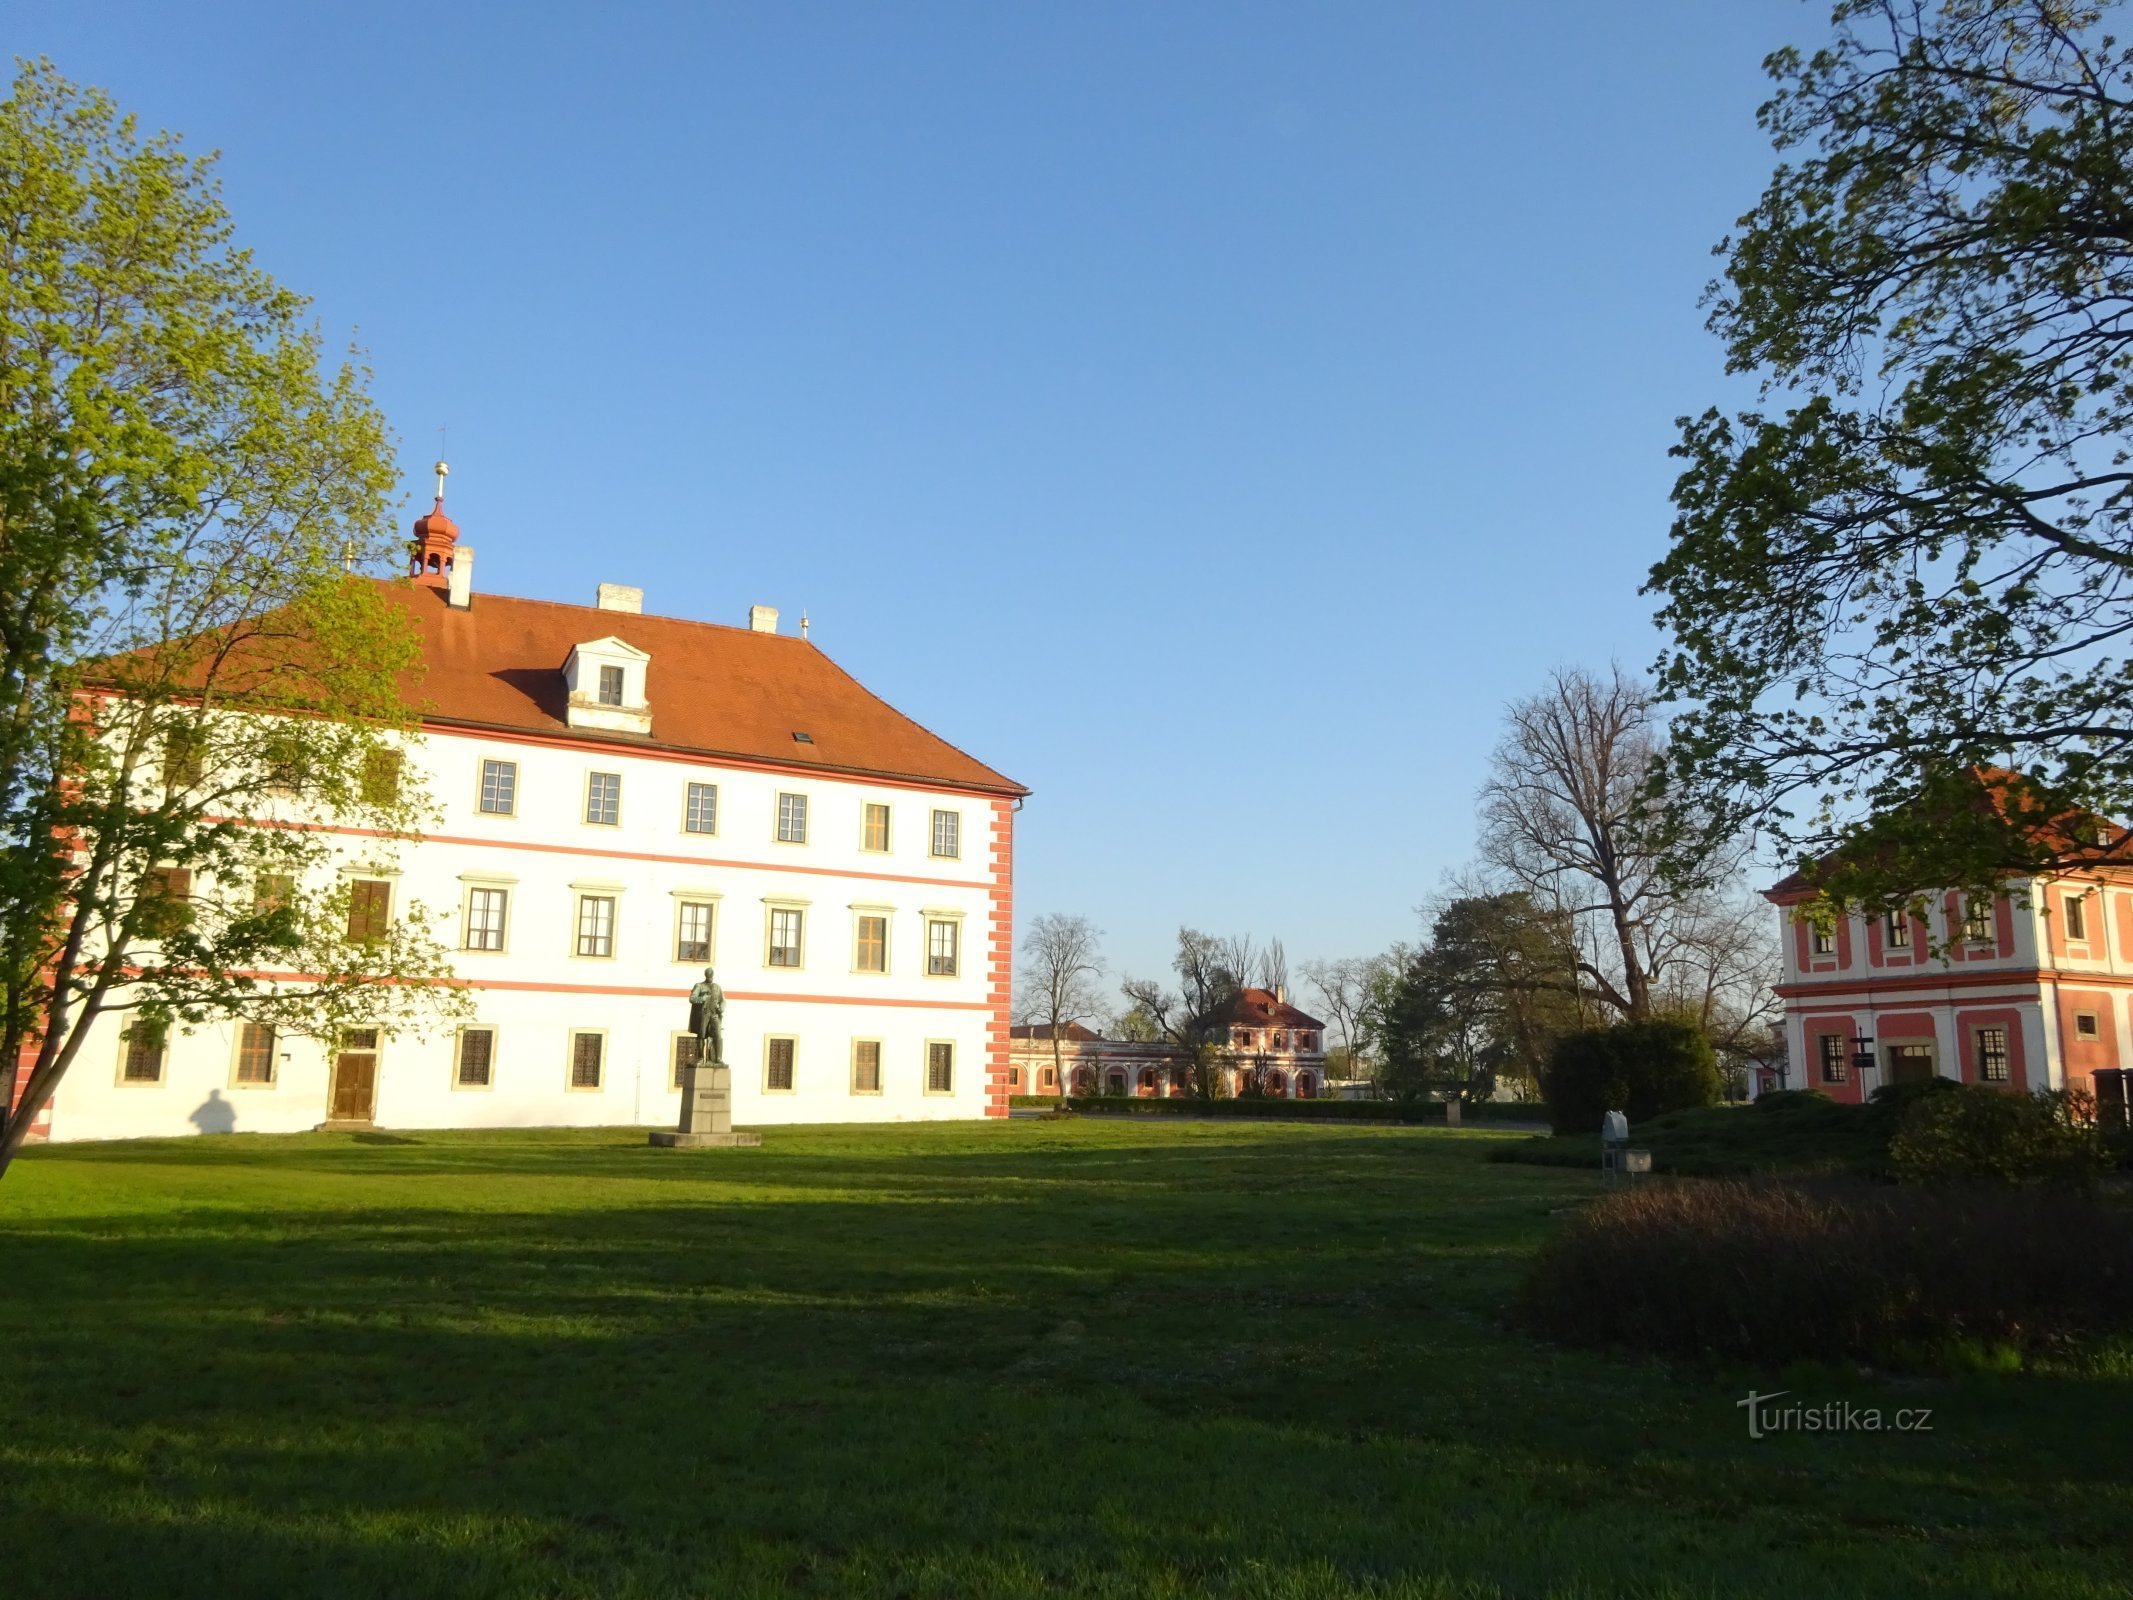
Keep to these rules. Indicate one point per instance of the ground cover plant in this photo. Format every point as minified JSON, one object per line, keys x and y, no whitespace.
{"x":1089,"y":1357}
{"x":1794,"y":1133}
{"x":1897,"y":1276}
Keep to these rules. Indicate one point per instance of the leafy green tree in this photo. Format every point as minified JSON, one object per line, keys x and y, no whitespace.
{"x":1642,"y":1069}
{"x":1484,"y":999}
{"x":185,"y":492}
{"x":1917,"y":560}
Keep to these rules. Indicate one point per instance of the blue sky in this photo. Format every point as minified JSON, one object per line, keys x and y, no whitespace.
{"x":1210,"y":415}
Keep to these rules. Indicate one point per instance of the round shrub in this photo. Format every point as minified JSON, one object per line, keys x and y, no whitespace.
{"x":1643,"y":1069}
{"x":1790,"y":1099}
{"x":1979,"y":1135}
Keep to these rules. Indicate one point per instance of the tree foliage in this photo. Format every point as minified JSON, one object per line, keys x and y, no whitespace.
{"x":185,"y":490}
{"x":1642,"y":1069}
{"x":1920,"y":561}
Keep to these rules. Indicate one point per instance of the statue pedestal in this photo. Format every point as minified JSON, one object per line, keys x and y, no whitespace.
{"x":706,"y":1113}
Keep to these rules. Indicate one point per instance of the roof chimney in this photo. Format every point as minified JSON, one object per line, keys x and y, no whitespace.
{"x":459,"y":579}
{"x":620,"y":597}
{"x":763,"y":619}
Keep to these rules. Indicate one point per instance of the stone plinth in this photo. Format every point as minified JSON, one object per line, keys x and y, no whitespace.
{"x":706,"y":1113}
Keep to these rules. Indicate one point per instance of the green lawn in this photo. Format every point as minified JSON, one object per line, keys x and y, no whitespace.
{"x":1030,"y":1358}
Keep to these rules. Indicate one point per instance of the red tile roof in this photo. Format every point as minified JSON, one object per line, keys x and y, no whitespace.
{"x":1261,"y":1008}
{"x":714,"y":690}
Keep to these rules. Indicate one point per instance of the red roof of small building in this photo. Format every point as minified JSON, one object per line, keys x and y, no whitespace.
{"x":1070,"y":1031}
{"x":714,"y":690}
{"x":1261,"y":1008}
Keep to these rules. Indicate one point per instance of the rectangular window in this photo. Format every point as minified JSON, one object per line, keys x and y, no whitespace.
{"x":777,"y":1066}
{"x":792,"y":819}
{"x":1898,"y":927}
{"x":610,"y":686}
{"x":941,"y":949}
{"x":255,"y":1053}
{"x":284,"y":758}
{"x":2077,"y":917}
{"x":271,"y":891}
{"x":947,"y":833}
{"x":1977,"y":920}
{"x":684,"y":1056}
{"x":875,"y":833}
{"x":1992,"y":1055}
{"x":866,"y":1066}
{"x":1823,"y":941}
{"x":184,"y":758}
{"x":2085,"y":1025}
{"x":586,"y":1050}
{"x":143,"y":1061}
{"x":381,"y":777}
{"x":1835,"y":1069}
{"x":871,"y":952}
{"x":692,"y":934}
{"x":485,"y":918}
{"x":476,"y":1067}
{"x":603,"y":798}
{"x":499,"y":788}
{"x":785,"y":929}
{"x":596,"y":924}
{"x":700,"y":814}
{"x":166,"y":901}
{"x":370,"y":909}
{"x":940,"y":1067}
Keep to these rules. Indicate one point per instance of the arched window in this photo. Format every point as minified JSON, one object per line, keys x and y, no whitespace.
{"x":1306,"y":1086}
{"x":1277,"y":1083}
{"x":1144,"y":1086}
{"x":1084,"y":1080}
{"x":1114,"y":1082}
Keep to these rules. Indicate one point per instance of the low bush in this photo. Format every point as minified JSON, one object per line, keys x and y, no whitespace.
{"x":1262,"y":1107}
{"x":1773,"y":1272}
{"x":1809,"y":1134}
{"x":1979,"y":1135}
{"x":1642,"y":1069}
{"x":1789,"y":1099}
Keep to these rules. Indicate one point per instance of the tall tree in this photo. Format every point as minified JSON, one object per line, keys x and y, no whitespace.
{"x":1348,"y":992}
{"x":1919,"y":560}
{"x":1568,"y":818}
{"x":1062,"y":959}
{"x":183,"y":488}
{"x":1207,"y":982}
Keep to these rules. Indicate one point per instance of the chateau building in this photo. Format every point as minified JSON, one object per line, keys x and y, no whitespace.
{"x":626,"y":799}
{"x":1269,"y":1047}
{"x":2026,"y":989}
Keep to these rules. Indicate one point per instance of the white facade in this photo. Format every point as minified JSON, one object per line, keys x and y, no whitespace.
{"x":538,"y":991}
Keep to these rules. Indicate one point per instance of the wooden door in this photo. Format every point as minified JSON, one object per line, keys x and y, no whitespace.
{"x":1910,"y":1063}
{"x":355,"y":1076}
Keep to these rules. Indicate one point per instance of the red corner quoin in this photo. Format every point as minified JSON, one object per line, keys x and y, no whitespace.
{"x":1000,"y":956}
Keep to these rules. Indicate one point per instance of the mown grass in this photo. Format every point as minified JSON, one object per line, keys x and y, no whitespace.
{"x":1033,"y":1358}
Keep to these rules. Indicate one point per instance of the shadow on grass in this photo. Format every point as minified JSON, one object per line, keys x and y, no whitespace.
{"x":510,"y":1367}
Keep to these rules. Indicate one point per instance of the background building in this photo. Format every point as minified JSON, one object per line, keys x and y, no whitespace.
{"x":1269,"y":1048}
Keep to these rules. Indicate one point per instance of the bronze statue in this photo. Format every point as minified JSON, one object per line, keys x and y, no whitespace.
{"x":707,"y":1020}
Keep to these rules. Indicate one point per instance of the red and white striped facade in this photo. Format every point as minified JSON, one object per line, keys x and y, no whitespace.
{"x":2032,"y":990}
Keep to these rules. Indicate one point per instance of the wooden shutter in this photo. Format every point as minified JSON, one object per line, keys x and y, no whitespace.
{"x":370,"y":903}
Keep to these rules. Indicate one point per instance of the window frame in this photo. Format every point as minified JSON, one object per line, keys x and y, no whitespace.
{"x":880,"y":1077}
{"x":792,"y":1062}
{"x":675,"y":1040}
{"x":785,"y":812}
{"x":503,"y":920}
{"x":867,"y":808}
{"x":507,"y":774}
{"x":689,"y":791}
{"x":2077,"y":917}
{"x":1896,"y":930}
{"x":237,"y":1056}
{"x":954,"y":928}
{"x":927,"y":1063}
{"x":609,"y":673}
{"x":1821,"y":941}
{"x":613,"y":901}
{"x":2094,"y":1020}
{"x":378,"y":925}
{"x":954,"y":819}
{"x":384,"y":769}
{"x":125,"y":1056}
{"x":1985,"y":1057}
{"x":683,"y":905}
{"x":770,"y":937}
{"x":594,"y":785}
{"x":1835,"y":1065}
{"x":861,"y":916}
{"x":570,"y":1061}
{"x":459,"y":1066}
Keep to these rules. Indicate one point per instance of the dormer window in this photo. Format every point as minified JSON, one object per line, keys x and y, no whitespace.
{"x":604,"y":684}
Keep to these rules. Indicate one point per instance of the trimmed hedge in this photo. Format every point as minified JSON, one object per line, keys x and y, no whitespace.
{"x":1288,"y":1110}
{"x":1644,"y":1069}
